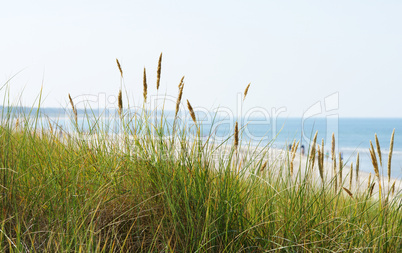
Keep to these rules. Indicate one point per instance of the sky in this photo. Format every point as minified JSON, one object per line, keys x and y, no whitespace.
{"x":339,"y":57}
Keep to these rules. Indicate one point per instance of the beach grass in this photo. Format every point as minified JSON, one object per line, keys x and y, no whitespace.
{"x":154,"y":187}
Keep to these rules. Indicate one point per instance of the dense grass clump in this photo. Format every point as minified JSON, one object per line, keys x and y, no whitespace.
{"x":155,"y":187}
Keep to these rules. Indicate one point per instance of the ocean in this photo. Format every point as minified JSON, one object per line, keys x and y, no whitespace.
{"x":352,"y":134}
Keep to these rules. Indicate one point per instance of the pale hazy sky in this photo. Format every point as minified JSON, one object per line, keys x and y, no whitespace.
{"x":294,"y":53}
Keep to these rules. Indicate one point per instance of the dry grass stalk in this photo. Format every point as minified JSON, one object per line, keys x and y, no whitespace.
{"x":374,"y":161}
{"x":120,"y":103}
{"x":377,"y":144}
{"x":357,"y":167}
{"x":351,"y":176}
{"x":393,"y":188}
{"x":192,"y":114}
{"x":74,"y":109}
{"x":333,"y":146}
{"x":334,"y":162}
{"x":246,"y":91}
{"x":375,"y":165}
{"x":264,"y":165}
{"x":312,"y":154}
{"x":119,"y":66}
{"x":181,"y":86}
{"x":293,"y":154}
{"x":145,"y":86}
{"x":17,"y":123}
{"x":391,"y":148}
{"x":158,"y":72}
{"x":348,"y":192}
{"x":369,"y":181}
{"x":340,"y":169}
{"x":320,"y":169}
{"x":321,"y":160}
{"x":335,"y":174}
{"x":50,"y":125}
{"x":372,"y":188}
{"x":236,"y":135}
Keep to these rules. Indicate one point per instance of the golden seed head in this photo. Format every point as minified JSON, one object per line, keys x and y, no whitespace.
{"x":263,"y":166}
{"x":351,"y":176}
{"x":348,"y":192}
{"x":369,"y":181}
{"x":391,"y":148}
{"x":293,"y":154}
{"x":145,"y":86}
{"x":192,"y":114}
{"x":377,"y":143}
{"x":158,"y":72}
{"x":393,"y":188}
{"x":236,"y":135}
{"x":340,"y":169}
{"x":312,"y":155}
{"x":357,"y":166}
{"x":374,"y":161}
{"x":372,"y":188}
{"x":333,"y":146}
{"x":246,"y":91}
{"x":120,"y":103}
{"x":181,"y":86}
{"x":320,"y":165}
{"x":74,"y":109}
{"x":119,"y":66}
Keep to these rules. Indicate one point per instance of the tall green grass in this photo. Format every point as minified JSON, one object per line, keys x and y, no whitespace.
{"x":156,"y":188}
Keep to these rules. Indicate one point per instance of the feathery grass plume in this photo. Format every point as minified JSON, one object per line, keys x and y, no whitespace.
{"x":334,"y":162}
{"x":119,"y":66}
{"x":312,"y":155}
{"x":348,"y":192}
{"x":391,"y":148}
{"x":246,"y":91}
{"x":236,"y":135}
{"x":333,"y":146}
{"x":158,"y":72}
{"x":393,"y":188}
{"x":335,"y":174}
{"x":351,"y":176}
{"x":320,"y":168}
{"x":50,"y":125}
{"x":120,"y":103}
{"x":293,"y":147}
{"x":357,"y":167}
{"x":369,"y":181}
{"x":377,"y":144}
{"x":264,"y":165}
{"x":192,"y":114}
{"x":372,"y":188}
{"x":145,"y":86}
{"x":340,"y":169}
{"x":375,"y":165}
{"x":17,"y":123}
{"x":181,"y":86}
{"x":322,"y":160}
{"x":293,"y":153}
{"x":74,"y":109}
{"x":374,"y":161}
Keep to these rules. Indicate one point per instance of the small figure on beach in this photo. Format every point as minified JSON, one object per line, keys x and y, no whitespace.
{"x":327,"y":155}
{"x":302,"y":149}
{"x":290,"y":147}
{"x":342,"y":156}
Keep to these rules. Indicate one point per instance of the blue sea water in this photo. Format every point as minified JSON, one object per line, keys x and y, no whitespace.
{"x":352,"y":134}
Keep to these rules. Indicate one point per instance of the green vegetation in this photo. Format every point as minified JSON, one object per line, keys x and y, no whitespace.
{"x":156,"y":189}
